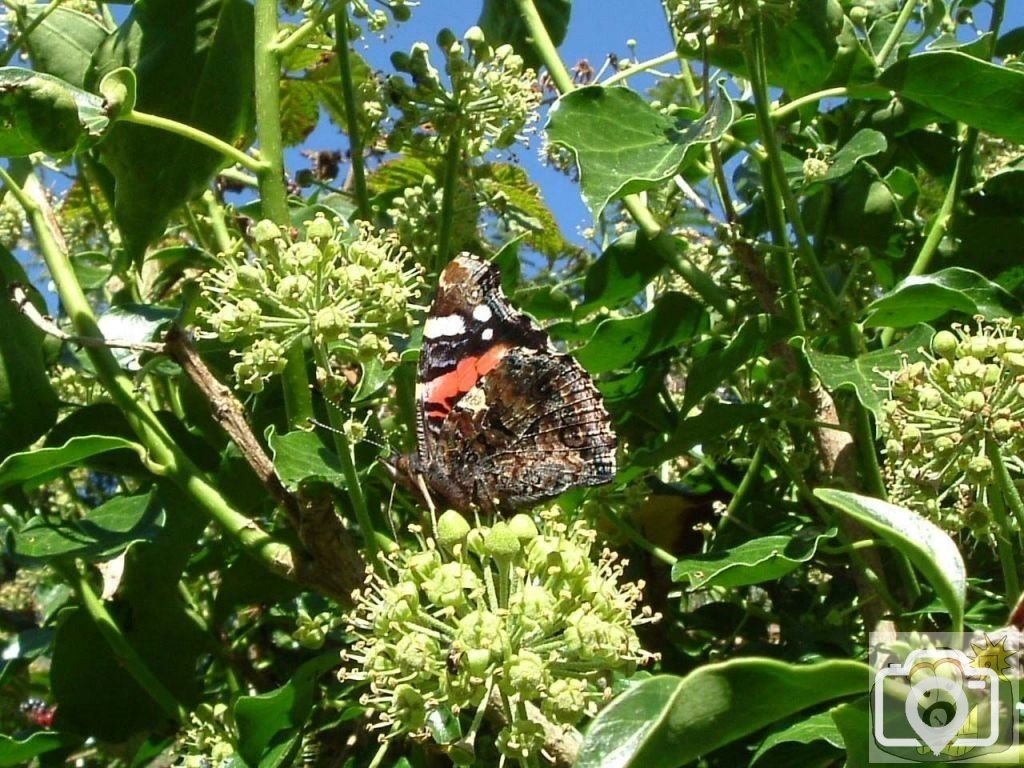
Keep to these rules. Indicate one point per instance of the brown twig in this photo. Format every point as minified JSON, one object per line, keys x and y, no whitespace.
{"x":331,"y":561}
{"x":45,"y":323}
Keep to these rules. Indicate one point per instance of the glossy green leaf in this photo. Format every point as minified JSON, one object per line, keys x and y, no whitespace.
{"x":927,"y":546}
{"x":669,"y":721}
{"x":42,"y":113}
{"x":302,"y":456}
{"x":17,"y":752}
{"x":987,"y":96}
{"x":502,"y":22}
{"x":275,"y":717}
{"x":819,"y":727}
{"x":621,"y":273}
{"x":119,"y":90}
{"x":864,"y":144}
{"x":712,"y":369}
{"x":373,"y":375}
{"x":194,"y":64}
{"x":623,"y":145}
{"x":920,"y":298}
{"x":28,"y":404}
{"x":866,"y":375}
{"x":764,"y":559}
{"x":62,"y":44}
{"x":99,"y":534}
{"x":854,"y":726}
{"x":714,"y":420}
{"x":134,"y":323}
{"x":674,"y":320}
{"x":41,"y":465}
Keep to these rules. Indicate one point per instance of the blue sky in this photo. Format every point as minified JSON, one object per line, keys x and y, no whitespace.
{"x":597,"y":28}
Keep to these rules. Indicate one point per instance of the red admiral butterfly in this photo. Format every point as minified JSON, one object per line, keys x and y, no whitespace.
{"x":504,"y":420}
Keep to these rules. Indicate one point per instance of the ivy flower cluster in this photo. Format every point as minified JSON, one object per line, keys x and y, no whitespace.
{"x":345,"y":287}
{"x":508,"y":612}
{"x":953,"y":427}
{"x":492,"y":100}
{"x":207,"y":741}
{"x":698,"y":19}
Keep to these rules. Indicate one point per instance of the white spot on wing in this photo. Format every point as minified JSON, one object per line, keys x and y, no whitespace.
{"x":487,"y":334}
{"x":448,"y":325}
{"x":482,"y":313}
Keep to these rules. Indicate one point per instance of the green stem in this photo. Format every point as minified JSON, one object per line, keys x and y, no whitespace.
{"x":267,"y":68}
{"x":641,"y":67}
{"x":795,"y":105}
{"x":896,"y":32}
{"x":864,"y":439}
{"x":1005,"y":548}
{"x":746,"y":484}
{"x":217,"y":221}
{"x":200,"y":137}
{"x":348,"y":468}
{"x":1005,"y":482}
{"x":127,"y":657}
{"x":348,"y":91}
{"x":164,"y":457}
{"x":298,"y":397}
{"x":452,"y":164}
{"x":306,"y":29}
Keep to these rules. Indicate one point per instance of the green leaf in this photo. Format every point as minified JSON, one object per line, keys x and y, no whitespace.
{"x":920,"y":298}
{"x":987,"y":96}
{"x":302,"y":456}
{"x":753,"y":338}
{"x":42,"y":113}
{"x":134,"y":323}
{"x":675,"y":319}
{"x":28,"y":404}
{"x":193,"y":60}
{"x":43,"y":464}
{"x":623,"y":145}
{"x":15,"y":752}
{"x":715,"y":419}
{"x":374,"y":376}
{"x":502,"y":22}
{"x":865,"y":143}
{"x":866,"y":375}
{"x":926,"y":545}
{"x":753,"y":562}
{"x":668,"y":721}
{"x":264,"y":720}
{"x":621,"y":273}
{"x":63,"y":43}
{"x":517,"y":200}
{"x":101,"y":533}
{"x":120,"y":91}
{"x":854,"y":726}
{"x":819,"y":727}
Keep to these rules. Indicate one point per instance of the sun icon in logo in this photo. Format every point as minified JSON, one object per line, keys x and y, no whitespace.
{"x":992,"y":655}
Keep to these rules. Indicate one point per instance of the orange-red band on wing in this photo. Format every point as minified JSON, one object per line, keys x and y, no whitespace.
{"x":441,"y":393}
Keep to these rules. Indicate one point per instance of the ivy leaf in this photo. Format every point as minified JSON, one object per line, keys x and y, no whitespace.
{"x":502,"y":22}
{"x":42,"y":113}
{"x":866,"y":375}
{"x":926,"y":545}
{"x":865,"y":143}
{"x":714,"y":419}
{"x":764,"y":559}
{"x":668,"y":721}
{"x":675,"y":319}
{"x":100,"y":534}
{"x":300,"y":456}
{"x":623,"y":145}
{"x":753,"y":338}
{"x":819,"y":727}
{"x":522,"y":203}
{"x":63,"y":42}
{"x":920,"y":298}
{"x":28,"y":404}
{"x":989,"y":97}
{"x":276,"y":717}
{"x":15,"y":752}
{"x":193,"y":61}
{"x":43,"y":464}
{"x":621,"y":272}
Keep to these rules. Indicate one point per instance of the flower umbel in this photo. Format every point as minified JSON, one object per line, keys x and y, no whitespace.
{"x":508,"y":611}
{"x":346,"y":287}
{"x":950,"y":419}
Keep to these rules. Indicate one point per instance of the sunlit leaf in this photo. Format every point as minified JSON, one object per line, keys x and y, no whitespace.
{"x":40,"y":465}
{"x":927,"y":546}
{"x":920,"y":298}
{"x":302,"y":456}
